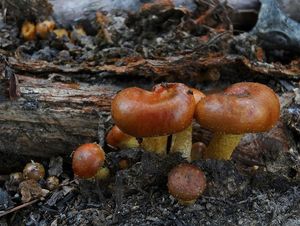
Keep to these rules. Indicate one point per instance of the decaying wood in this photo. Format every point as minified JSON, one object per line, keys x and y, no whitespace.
{"x":181,"y":67}
{"x":51,"y":117}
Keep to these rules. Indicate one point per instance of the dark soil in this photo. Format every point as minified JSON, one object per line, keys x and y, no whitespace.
{"x":138,"y":196}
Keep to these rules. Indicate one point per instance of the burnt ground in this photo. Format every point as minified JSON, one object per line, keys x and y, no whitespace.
{"x":259,"y":186}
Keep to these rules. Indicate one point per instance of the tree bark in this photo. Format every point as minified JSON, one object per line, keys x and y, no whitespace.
{"x":51,"y":118}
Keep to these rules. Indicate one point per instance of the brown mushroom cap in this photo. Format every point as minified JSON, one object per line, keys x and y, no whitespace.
{"x":44,"y":28}
{"x":115,"y":136}
{"x":34,"y":170}
{"x":87,"y":159}
{"x":28,"y":31}
{"x":186,"y":182}
{"x":242,"y":108}
{"x":118,"y":139}
{"x":197,"y":151}
{"x":167,"y":109}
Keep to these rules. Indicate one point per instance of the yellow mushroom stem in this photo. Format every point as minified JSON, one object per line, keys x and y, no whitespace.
{"x":187,"y":203}
{"x":182,"y":143}
{"x":156,"y":145}
{"x":103,"y":173}
{"x":130,"y":142}
{"x":221,"y":146}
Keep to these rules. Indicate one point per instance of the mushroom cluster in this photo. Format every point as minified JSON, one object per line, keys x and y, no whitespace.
{"x":160,"y":121}
{"x":148,"y":118}
{"x":43,"y":29}
{"x":152,"y":117}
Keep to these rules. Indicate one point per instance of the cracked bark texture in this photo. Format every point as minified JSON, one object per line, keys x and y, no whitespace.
{"x":51,"y":117}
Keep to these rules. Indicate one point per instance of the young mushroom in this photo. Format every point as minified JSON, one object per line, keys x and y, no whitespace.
{"x":52,"y":182}
{"x":197,"y":151}
{"x":87,"y":160}
{"x":44,"y":28}
{"x":244,"y":107}
{"x":186,"y":183}
{"x":61,"y":33}
{"x":153,"y":115}
{"x":28,"y":31}
{"x":34,"y":171}
{"x":116,"y":138}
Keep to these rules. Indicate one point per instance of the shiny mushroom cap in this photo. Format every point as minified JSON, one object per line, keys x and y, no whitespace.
{"x":167,"y":109}
{"x":186,"y":183}
{"x":242,"y":108}
{"x":87,"y":160}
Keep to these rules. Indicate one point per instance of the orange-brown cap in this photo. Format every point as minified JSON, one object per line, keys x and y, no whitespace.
{"x":44,"y":28}
{"x":87,"y":160}
{"x":242,"y":108}
{"x":118,"y":139}
{"x":186,"y":182}
{"x":167,"y":109}
{"x":28,"y":31}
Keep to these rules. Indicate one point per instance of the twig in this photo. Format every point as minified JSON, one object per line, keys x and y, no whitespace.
{"x":31,"y":202}
{"x":19,"y":207}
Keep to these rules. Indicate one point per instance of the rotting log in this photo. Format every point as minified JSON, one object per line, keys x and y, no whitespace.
{"x":197,"y":68}
{"x":50,"y":118}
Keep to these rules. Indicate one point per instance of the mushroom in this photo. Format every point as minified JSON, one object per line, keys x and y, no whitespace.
{"x":28,"y":31}
{"x":61,"y":33}
{"x":52,"y":182}
{"x":244,"y":107}
{"x":44,"y":28}
{"x":123,"y":164}
{"x":34,"y":170}
{"x":118,"y":139}
{"x":153,"y":115}
{"x":87,"y":160}
{"x":186,"y":183}
{"x":16,"y":178}
{"x":103,"y":174}
{"x":197,"y":151}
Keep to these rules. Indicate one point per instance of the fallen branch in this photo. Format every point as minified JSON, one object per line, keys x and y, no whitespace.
{"x":4,"y":213}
